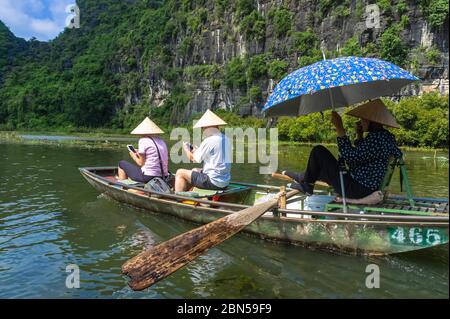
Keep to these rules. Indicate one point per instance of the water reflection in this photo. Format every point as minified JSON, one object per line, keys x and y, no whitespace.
{"x":50,"y":217}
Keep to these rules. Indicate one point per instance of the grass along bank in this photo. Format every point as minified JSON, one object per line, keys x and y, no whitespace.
{"x":100,"y":140}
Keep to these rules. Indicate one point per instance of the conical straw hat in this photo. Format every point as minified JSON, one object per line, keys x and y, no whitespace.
{"x":209,"y":119}
{"x":375,"y":111}
{"x":147,"y":127}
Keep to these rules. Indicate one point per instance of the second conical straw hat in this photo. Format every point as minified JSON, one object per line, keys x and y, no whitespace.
{"x":147,"y":127}
{"x":375,"y":111}
{"x":209,"y":119}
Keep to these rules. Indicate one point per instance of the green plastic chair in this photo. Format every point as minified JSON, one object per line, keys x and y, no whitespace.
{"x":404,"y":180}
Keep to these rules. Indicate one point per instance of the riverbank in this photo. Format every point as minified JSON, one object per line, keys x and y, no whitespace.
{"x":110,"y":139}
{"x":80,"y":140}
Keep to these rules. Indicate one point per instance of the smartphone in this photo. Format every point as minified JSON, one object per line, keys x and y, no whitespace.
{"x":191,"y":147}
{"x":131,"y":148}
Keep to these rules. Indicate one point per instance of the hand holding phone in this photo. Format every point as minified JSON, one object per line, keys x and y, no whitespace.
{"x":189,"y":146}
{"x":131,"y":148}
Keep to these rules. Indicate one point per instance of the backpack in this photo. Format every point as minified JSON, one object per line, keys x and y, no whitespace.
{"x":157,"y":184}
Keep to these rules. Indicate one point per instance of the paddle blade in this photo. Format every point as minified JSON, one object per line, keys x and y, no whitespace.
{"x":162,"y":260}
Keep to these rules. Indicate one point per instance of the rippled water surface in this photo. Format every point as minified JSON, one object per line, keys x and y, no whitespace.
{"x":51,"y":217}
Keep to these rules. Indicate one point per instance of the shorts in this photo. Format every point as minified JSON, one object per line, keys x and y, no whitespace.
{"x":201,"y":180}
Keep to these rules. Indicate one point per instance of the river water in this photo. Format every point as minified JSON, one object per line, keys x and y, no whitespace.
{"x":50,"y":217}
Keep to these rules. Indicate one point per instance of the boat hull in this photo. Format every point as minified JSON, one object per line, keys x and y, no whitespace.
{"x":357,"y":237}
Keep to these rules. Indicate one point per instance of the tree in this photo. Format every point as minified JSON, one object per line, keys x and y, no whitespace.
{"x":392,"y":47}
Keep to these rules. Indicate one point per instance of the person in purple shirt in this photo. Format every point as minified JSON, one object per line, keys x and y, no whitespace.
{"x":151,"y":158}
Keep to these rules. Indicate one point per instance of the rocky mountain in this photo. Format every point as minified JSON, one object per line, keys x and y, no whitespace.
{"x":176,"y":58}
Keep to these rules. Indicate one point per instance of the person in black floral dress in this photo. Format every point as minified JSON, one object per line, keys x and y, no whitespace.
{"x":366,"y":161}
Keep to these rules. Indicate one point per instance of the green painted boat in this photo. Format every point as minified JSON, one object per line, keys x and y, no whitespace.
{"x":315,"y":221}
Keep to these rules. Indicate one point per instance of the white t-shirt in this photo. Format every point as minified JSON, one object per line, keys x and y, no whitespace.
{"x":215,"y":153}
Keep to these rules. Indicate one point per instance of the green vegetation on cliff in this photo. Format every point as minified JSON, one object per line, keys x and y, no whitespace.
{"x":138,"y":57}
{"x":12,"y":50}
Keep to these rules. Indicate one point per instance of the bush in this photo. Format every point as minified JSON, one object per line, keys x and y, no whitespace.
{"x":235,"y":73}
{"x":325,"y":6}
{"x":436,"y":11}
{"x":257,"y":68}
{"x":196,"y":18}
{"x":202,"y":71}
{"x":384,"y":4}
{"x":235,"y":120}
{"x":253,"y":26}
{"x":359,"y":10}
{"x":284,"y":124}
{"x":255,"y":94}
{"x":222,"y":4}
{"x":282,"y":21}
{"x":433,"y":55}
{"x":402,"y":7}
{"x":424,"y":120}
{"x":404,"y":21}
{"x":172,"y":74}
{"x":352,"y":48}
{"x":170,"y":111}
{"x":392,"y":48}
{"x":186,"y":46}
{"x":244,"y":8}
{"x":342,"y":12}
{"x":278,"y":69}
{"x":216,"y":84}
{"x":307,"y":60}
{"x":306,"y":44}
{"x":433,"y":101}
{"x":311,"y":128}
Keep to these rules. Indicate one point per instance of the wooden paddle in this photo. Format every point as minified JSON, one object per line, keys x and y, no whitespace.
{"x":162,"y":260}
{"x":288,"y":179}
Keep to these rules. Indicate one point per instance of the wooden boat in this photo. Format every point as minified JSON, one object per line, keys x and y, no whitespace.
{"x":389,"y":228}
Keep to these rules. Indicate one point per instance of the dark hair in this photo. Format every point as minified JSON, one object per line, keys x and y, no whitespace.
{"x":375,"y":127}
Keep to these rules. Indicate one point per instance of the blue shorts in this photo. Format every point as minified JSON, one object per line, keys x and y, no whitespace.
{"x":201,"y":180}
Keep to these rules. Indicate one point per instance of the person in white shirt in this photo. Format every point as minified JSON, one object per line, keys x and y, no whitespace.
{"x":214,"y":153}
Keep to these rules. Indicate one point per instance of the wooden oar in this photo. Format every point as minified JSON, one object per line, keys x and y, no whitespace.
{"x":288,"y":179}
{"x":162,"y":260}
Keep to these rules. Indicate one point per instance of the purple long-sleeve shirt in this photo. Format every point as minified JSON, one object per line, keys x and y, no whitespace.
{"x":148,"y":148}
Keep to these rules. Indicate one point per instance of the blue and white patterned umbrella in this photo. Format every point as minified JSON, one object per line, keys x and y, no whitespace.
{"x":335,"y":83}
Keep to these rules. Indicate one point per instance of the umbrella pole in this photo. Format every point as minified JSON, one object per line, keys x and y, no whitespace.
{"x":342,"y":170}
{"x":341,"y":178}
{"x":323,"y":49}
{"x":340,"y":160}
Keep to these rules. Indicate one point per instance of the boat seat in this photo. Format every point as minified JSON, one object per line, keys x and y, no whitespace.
{"x":384,"y":189}
{"x":404,"y":180}
{"x":371,"y":199}
{"x":200,"y":193}
{"x":130,"y":182}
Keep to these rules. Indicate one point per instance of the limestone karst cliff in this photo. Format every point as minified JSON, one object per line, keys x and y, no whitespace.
{"x":179,"y":57}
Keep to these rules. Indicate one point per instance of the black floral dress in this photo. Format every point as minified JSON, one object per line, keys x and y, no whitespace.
{"x":368,"y":159}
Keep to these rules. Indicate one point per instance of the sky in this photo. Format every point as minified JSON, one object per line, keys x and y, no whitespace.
{"x":42,"y":19}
